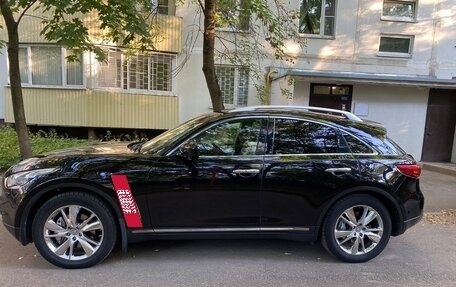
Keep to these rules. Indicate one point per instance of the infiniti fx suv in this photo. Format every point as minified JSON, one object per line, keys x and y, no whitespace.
{"x":300,"y":173}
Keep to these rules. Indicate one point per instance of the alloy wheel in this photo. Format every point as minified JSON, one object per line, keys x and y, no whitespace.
{"x":73,"y":232}
{"x":358,"y":230}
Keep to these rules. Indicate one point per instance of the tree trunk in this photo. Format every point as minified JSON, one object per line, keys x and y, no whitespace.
{"x":15,"y":81}
{"x":208,"y":55}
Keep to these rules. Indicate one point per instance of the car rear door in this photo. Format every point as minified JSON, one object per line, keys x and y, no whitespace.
{"x":306,"y":164}
{"x":217,"y":191}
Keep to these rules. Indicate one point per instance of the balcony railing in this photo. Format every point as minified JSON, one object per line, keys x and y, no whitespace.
{"x":92,"y":108}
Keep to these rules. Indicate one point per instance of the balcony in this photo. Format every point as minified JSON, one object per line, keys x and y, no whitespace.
{"x":92,"y":108}
{"x":166,"y":30}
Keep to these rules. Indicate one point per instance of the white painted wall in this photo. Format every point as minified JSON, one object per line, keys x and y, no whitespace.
{"x":3,"y":80}
{"x":401,"y":110}
{"x":444,"y":40}
{"x":282,"y":92}
{"x":192,"y":90}
{"x":302,"y":93}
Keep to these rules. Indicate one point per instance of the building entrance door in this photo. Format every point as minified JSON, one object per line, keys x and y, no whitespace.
{"x":440,"y":126}
{"x":331,"y":96}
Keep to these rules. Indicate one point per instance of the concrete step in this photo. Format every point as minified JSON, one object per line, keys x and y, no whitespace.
{"x":441,"y":167}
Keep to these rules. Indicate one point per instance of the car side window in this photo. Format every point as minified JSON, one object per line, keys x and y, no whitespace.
{"x":302,"y":137}
{"x":237,"y":137}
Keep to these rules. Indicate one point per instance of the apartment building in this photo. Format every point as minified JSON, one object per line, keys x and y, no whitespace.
{"x":389,"y":61}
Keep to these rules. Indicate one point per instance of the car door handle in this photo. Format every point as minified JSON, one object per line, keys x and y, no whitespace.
{"x":246,"y":171}
{"x":338,"y":170}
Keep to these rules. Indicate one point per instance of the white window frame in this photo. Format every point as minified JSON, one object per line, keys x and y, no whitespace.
{"x":396,"y":54}
{"x":399,"y":18}
{"x":322,"y":22}
{"x":63,"y":63}
{"x":149,"y":90}
{"x":235,"y":103}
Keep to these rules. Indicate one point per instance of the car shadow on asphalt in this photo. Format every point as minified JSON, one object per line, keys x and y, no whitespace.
{"x":225,"y":250}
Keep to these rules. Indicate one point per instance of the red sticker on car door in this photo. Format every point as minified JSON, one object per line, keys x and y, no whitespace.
{"x":127,"y":202}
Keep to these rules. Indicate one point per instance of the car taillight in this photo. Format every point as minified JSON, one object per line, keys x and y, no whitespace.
{"x":412,"y":170}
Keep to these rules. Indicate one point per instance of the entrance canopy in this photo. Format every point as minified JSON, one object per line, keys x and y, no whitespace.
{"x":368,"y":78}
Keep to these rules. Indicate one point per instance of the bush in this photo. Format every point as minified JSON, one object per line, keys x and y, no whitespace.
{"x":9,"y":147}
{"x":41,"y":142}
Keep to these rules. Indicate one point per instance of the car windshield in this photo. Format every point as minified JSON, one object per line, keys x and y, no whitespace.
{"x":161,"y":142}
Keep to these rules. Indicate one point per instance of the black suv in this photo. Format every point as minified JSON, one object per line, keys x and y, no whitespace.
{"x":301,"y":173}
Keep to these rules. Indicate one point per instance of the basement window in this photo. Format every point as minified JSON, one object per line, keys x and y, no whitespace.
{"x":395,"y":46}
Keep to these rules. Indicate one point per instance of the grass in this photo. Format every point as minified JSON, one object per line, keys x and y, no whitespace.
{"x":41,"y":142}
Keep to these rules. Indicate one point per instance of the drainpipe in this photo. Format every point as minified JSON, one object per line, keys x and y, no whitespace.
{"x":267,"y":86}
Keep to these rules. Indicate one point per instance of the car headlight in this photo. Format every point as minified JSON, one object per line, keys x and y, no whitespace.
{"x":22,"y":178}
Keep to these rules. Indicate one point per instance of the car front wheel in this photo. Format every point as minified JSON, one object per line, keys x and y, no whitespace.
{"x":74,"y":230}
{"x":356,"y":229}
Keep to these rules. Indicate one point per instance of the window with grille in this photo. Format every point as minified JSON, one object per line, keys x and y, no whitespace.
{"x":48,"y":66}
{"x":234,"y":84}
{"x":151,"y":72}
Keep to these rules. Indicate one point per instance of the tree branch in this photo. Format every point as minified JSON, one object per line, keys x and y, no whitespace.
{"x":223,"y":39}
{"x":29,"y":5}
{"x":200,"y":3}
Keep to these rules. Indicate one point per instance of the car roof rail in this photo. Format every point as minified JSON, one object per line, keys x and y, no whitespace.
{"x":347,"y":115}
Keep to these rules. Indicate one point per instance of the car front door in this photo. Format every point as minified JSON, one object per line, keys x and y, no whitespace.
{"x":305,"y":165}
{"x":216,"y":188}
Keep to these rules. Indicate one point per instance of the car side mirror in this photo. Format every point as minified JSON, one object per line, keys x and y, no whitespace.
{"x":189,"y":150}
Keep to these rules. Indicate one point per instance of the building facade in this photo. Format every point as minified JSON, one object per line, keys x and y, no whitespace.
{"x":389,"y":61}
{"x":125,"y":92}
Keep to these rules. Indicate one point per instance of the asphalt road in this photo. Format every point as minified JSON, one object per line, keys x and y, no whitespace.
{"x":424,"y":256}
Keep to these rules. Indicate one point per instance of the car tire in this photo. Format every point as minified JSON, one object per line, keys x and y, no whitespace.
{"x":356,"y":229}
{"x":74,"y":230}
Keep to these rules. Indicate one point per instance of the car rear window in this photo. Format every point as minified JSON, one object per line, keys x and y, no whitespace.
{"x":389,"y":147}
{"x":373,"y":138}
{"x":357,"y":146}
{"x":382,"y":144}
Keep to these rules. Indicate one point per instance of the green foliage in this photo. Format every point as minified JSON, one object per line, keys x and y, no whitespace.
{"x":41,"y":142}
{"x":134,"y":136}
{"x":9,"y":147}
{"x":126,"y":22}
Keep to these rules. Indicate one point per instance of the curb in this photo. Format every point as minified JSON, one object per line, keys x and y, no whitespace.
{"x":439,"y":168}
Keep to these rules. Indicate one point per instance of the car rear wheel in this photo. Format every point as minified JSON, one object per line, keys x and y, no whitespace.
{"x":356,"y":229}
{"x":74,"y":230}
